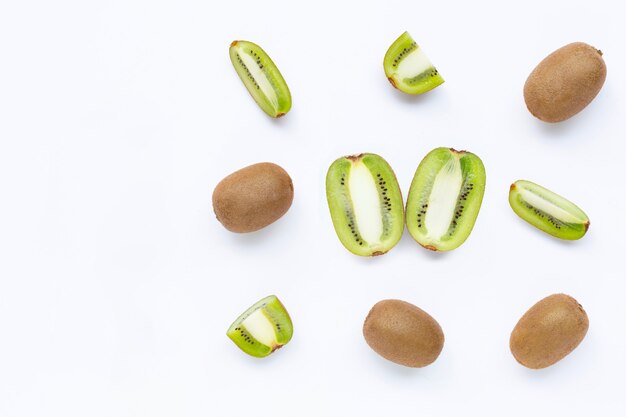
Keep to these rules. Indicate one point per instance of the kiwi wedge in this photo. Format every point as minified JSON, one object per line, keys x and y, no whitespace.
{"x":365,"y":204}
{"x":261,"y":77}
{"x":263,"y":328}
{"x":444,"y":198}
{"x":548,"y":211}
{"x":408,"y":68}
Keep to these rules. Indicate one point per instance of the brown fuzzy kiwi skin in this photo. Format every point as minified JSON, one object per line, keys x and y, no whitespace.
{"x":565,"y":82}
{"x":549,"y":331}
{"x":253,"y":197}
{"x":403,"y":333}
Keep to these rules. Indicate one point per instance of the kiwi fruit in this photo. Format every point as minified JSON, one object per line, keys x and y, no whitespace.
{"x":444,"y":198}
{"x":549,"y":331}
{"x":408,"y":68}
{"x":548,"y":211}
{"x":253,"y":197}
{"x":403,"y":333}
{"x":565,"y":82}
{"x":261,"y":77}
{"x":263,"y":328}
{"x":365,"y":204}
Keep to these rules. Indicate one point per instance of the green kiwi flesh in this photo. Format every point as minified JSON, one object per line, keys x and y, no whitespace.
{"x":408,"y":68}
{"x":261,"y":77}
{"x":263,"y":328}
{"x":445,"y":198}
{"x":548,"y":211}
{"x":365,"y":204}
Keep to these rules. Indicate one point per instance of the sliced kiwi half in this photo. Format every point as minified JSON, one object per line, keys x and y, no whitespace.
{"x":548,"y":211}
{"x":261,"y":77}
{"x":365,"y":204}
{"x":444,"y":198}
{"x":263,"y":328}
{"x":408,"y":68}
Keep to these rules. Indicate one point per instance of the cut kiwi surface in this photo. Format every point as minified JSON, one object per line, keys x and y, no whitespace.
{"x":548,"y":211}
{"x":408,"y":68}
{"x":445,"y":198}
{"x":263,"y":328}
{"x":261,"y":77}
{"x":365,"y":204}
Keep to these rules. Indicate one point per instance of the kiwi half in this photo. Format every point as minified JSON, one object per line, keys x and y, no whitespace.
{"x":444,"y":198}
{"x":261,"y":77}
{"x":263,"y":328}
{"x":365,"y":204}
{"x":408,"y":68}
{"x":548,"y":211}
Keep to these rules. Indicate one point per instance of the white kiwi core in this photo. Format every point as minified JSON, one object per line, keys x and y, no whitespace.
{"x":415,"y":63}
{"x":366,"y":203}
{"x":260,"y":327}
{"x":443,"y":198}
{"x":547,"y":206}
{"x":260,"y":77}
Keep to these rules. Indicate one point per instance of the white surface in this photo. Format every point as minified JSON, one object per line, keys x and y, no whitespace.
{"x":117,"y":284}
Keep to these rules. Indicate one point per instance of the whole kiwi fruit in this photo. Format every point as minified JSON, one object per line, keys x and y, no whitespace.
{"x":253,"y":197}
{"x":403,"y":333}
{"x":549,"y":331}
{"x":565,"y":82}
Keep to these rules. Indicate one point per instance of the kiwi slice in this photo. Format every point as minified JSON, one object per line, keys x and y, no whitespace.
{"x":263,"y":328}
{"x":261,"y":77}
{"x":444,"y":198}
{"x":408,"y":68}
{"x":365,"y":204}
{"x":548,"y":211}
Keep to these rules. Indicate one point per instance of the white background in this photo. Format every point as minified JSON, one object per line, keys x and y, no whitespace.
{"x":117,"y":284}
